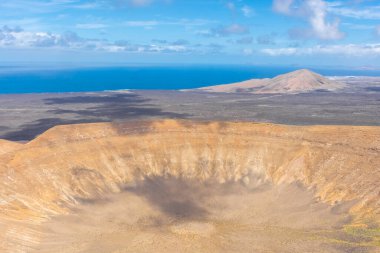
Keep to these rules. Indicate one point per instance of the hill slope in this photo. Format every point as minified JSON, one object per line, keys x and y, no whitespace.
{"x":299,"y":81}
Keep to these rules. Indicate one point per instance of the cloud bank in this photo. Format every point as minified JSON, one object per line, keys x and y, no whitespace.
{"x":316,"y":13}
{"x":18,"y":38}
{"x":347,"y":50}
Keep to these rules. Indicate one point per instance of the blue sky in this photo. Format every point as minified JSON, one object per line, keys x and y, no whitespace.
{"x":280,"y":32}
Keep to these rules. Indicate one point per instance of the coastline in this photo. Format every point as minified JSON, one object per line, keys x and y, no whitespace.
{"x":18,"y":80}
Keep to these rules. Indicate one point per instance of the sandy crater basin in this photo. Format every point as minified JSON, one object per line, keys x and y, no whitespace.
{"x":180,"y":215}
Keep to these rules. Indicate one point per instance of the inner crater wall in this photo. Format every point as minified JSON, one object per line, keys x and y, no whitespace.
{"x":70,"y":164}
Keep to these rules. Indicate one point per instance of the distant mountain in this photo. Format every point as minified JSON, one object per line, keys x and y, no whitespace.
{"x":299,"y":81}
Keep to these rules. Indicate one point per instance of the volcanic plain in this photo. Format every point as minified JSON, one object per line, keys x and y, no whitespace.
{"x":24,"y":116}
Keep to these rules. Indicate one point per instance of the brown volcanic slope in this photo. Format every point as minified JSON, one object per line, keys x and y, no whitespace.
{"x":180,"y":186}
{"x":8,"y":146}
{"x":294,"y":82}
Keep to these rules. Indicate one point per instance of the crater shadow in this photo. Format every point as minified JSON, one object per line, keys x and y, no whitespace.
{"x":111,"y":106}
{"x":176,"y":198}
{"x":184,"y":198}
{"x":375,"y":89}
{"x":89,"y":109}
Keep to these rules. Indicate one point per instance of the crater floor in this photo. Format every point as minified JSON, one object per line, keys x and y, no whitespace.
{"x":173,"y":215}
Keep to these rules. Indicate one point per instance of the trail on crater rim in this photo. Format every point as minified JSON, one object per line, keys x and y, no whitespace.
{"x":182,"y":180}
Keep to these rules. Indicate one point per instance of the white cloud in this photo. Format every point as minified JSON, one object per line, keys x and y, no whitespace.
{"x":134,"y":3}
{"x":266,"y":39}
{"x":233,"y":29}
{"x":247,"y":11}
{"x":378,"y":30}
{"x":173,"y":22}
{"x":347,"y":50}
{"x":51,"y":6}
{"x":91,"y":26}
{"x":141,"y":23}
{"x":225,"y":31}
{"x":280,"y":51}
{"x":358,"y":26}
{"x":282,"y":6}
{"x":231,"y":6}
{"x":86,"y":6}
{"x":245,"y":40}
{"x":366,"y":13}
{"x":315,"y":11}
{"x":322,"y":28}
{"x":248,"y":51}
{"x":48,"y":6}
{"x":168,"y":48}
{"x":18,"y":38}
{"x":241,"y":8}
{"x":140,"y":3}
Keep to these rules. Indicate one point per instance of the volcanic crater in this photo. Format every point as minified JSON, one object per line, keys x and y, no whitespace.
{"x":185,"y":186}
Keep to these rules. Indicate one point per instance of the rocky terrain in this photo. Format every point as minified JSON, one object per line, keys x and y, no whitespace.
{"x":299,"y":81}
{"x":184,"y":186}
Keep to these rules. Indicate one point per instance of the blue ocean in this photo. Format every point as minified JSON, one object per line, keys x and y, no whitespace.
{"x":20,"y":79}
